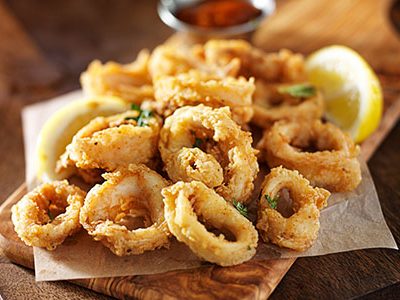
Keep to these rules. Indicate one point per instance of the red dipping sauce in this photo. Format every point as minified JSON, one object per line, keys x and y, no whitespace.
{"x":218,"y":13}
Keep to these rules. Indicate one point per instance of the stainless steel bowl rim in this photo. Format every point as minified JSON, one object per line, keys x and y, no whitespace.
{"x":166,"y":13}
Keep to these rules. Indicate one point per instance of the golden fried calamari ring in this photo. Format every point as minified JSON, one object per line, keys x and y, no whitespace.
{"x":167,"y":60}
{"x":130,"y":82}
{"x":111,"y":142}
{"x":271,"y":106}
{"x":194,"y":88}
{"x":216,"y":135}
{"x":171,"y":59}
{"x":300,"y":230}
{"x":207,"y":169}
{"x":320,"y":152}
{"x":186,"y":203}
{"x":46,"y":216}
{"x":126,"y":195}
{"x":283,"y":66}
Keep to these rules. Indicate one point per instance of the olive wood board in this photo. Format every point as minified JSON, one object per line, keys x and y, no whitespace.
{"x":258,"y":279}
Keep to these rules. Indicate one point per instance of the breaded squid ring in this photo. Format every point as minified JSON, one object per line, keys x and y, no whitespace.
{"x":213,"y":133}
{"x":283,"y":66}
{"x":46,"y":216}
{"x":127,"y":194}
{"x":131,"y":82}
{"x":320,"y":152}
{"x":171,"y":60}
{"x":186,"y":203}
{"x":195,"y":88}
{"x":300,"y":230}
{"x":207,"y":169}
{"x":271,"y":106}
{"x":111,"y":142}
{"x":168,"y":60}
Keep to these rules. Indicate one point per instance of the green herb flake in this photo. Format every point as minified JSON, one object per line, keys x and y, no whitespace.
{"x":131,"y":118}
{"x":241,"y":208}
{"x":143,"y":118}
{"x":299,"y":90}
{"x":135,"y":107}
{"x":51,"y":216}
{"x":147,"y":113}
{"x":197,"y":142}
{"x":249,"y":247}
{"x":273,"y":202}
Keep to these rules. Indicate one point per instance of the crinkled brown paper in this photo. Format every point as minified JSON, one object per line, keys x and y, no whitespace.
{"x":351,"y":221}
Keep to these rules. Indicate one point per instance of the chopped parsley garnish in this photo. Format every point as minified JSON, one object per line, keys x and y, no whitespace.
{"x":273,"y":202}
{"x":299,"y":90}
{"x":135,"y":107}
{"x":197,"y":142}
{"x":143,"y":118}
{"x":241,"y":208}
{"x":51,"y":216}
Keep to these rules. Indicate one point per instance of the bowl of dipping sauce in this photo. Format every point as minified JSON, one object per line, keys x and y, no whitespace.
{"x":215,"y":17}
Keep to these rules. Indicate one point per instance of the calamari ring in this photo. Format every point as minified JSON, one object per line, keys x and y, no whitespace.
{"x":108,"y":143}
{"x":194,"y":164}
{"x":46,"y":216}
{"x":172,"y":59}
{"x":331,"y":162}
{"x":271,"y":106}
{"x":283,"y":66}
{"x":168,"y":60}
{"x":221,"y":138}
{"x":131,"y":82}
{"x":300,"y":230}
{"x":126,"y":195}
{"x":195,"y":88}
{"x":186,"y":203}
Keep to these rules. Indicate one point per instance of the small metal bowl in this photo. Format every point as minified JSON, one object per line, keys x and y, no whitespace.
{"x":168,"y":8}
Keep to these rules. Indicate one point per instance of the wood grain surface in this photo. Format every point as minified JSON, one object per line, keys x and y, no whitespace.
{"x":69,"y":34}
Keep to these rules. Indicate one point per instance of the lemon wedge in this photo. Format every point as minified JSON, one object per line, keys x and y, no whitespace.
{"x":59,"y":129}
{"x":351,"y":89}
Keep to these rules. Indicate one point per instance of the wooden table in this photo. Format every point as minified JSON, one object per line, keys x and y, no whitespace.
{"x":44,"y":45}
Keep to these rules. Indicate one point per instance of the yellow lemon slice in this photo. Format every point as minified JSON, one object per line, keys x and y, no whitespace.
{"x":58,"y":131}
{"x":352,"y":93}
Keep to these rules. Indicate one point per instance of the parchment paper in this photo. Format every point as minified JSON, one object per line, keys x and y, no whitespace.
{"x":351,"y":221}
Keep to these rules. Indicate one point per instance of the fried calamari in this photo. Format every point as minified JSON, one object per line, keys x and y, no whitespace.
{"x":115,"y":212}
{"x":300,"y":230}
{"x":107,"y":143}
{"x":320,"y":152}
{"x":131,"y":82}
{"x":187,"y":205}
{"x":46,"y":216}
{"x":271,"y":105}
{"x":212,"y":133}
{"x":283,"y":66}
{"x":195,"y":88}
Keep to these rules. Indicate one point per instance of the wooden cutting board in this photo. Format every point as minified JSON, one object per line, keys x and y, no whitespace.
{"x":302,"y":25}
